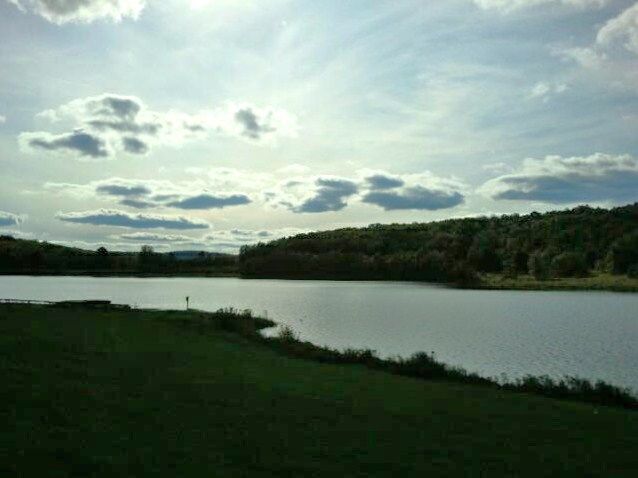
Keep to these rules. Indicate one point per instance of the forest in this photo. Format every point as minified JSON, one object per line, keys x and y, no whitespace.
{"x":18,"y":256}
{"x":569,"y":243}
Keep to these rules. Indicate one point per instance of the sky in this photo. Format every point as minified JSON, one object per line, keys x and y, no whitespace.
{"x":208,"y":124}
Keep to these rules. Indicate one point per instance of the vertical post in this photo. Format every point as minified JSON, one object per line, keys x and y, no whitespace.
{"x":187,"y":300}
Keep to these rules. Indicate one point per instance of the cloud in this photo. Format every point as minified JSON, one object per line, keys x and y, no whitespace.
{"x":83,"y":144}
{"x":146,"y":194}
{"x":421,"y":191}
{"x":415,"y":197}
{"x":380,"y":181}
{"x":209,"y":201}
{"x":544,"y":90}
{"x":111,"y":123}
{"x":252,"y":123}
{"x":247,"y":233}
{"x":122,"y":189}
{"x":511,"y":5}
{"x":115,"y":218}
{"x":3,"y":119}
{"x":557,"y":180}
{"x":8,"y":219}
{"x":584,"y":56}
{"x":327,"y":194}
{"x":153,"y":237}
{"x":137,"y":203}
{"x":611,"y":58}
{"x":623,"y":28}
{"x":134,"y":146}
{"x":82,"y":11}
{"x":424,"y":191}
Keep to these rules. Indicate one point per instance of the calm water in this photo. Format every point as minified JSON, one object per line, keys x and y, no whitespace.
{"x":589,"y":334}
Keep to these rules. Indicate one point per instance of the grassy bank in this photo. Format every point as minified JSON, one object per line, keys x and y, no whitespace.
{"x":595,"y":281}
{"x":141,"y":393}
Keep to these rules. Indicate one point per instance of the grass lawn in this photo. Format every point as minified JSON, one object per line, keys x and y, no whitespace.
{"x":596,"y":281}
{"x":140,"y":393}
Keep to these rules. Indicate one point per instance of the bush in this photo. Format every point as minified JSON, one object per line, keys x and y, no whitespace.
{"x":569,"y":264}
{"x":632,"y":271}
{"x":287,"y":334}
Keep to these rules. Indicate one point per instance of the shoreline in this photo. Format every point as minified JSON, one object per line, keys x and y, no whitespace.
{"x":101,"y":392}
{"x":597,"y":282}
{"x":420,"y":365}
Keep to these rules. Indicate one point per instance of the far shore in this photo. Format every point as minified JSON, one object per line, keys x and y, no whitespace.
{"x":594,"y":282}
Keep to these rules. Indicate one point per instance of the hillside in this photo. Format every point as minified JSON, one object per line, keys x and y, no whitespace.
{"x":19,"y":256}
{"x":571,"y":243}
{"x":158,"y":393}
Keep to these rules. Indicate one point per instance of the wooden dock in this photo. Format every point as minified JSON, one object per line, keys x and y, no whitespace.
{"x":98,"y":304}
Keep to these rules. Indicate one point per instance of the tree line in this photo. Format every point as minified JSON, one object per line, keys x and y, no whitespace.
{"x":19,"y":256}
{"x":569,"y":243}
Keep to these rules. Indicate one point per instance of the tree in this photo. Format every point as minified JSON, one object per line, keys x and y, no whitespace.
{"x":624,"y":253}
{"x":538,"y":266}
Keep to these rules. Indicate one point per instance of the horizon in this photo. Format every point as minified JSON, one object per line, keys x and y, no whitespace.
{"x":162,"y":250}
{"x":222,"y":123}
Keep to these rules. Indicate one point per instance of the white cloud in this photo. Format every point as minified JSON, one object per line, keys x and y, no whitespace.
{"x":3,"y":119}
{"x":558,"y":180}
{"x":611,"y":58}
{"x":544,"y":90}
{"x":82,"y":11}
{"x":623,"y":28}
{"x":584,"y":56}
{"x":510,"y":5}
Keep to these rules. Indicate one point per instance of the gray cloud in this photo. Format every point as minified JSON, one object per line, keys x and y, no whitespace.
{"x":115,"y":218}
{"x":80,"y":142}
{"x":382,"y":181}
{"x":122,"y":189}
{"x":8,"y":219}
{"x":109,"y":123}
{"x":122,"y":107}
{"x":152,"y":237}
{"x":82,"y":11}
{"x":134,"y":145}
{"x":330,"y":195}
{"x":558,"y":180}
{"x":106,"y":124}
{"x":137,"y":203}
{"x":416,"y":197}
{"x":209,"y":201}
{"x":252,"y":127}
{"x":246,"y":233}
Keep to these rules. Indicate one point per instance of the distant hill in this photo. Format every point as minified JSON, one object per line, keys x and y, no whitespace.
{"x":195,"y":255}
{"x":569,"y":243}
{"x":19,"y":256}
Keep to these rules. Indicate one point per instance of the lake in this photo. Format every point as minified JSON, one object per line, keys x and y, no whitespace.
{"x":589,"y":334}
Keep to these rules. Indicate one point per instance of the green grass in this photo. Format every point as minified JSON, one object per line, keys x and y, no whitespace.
{"x":596,"y":281}
{"x":142,"y":393}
